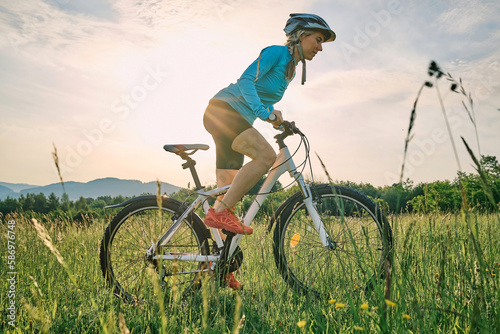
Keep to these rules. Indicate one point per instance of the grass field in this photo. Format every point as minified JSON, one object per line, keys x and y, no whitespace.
{"x":445,"y":279}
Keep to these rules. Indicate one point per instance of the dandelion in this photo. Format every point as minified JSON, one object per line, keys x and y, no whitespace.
{"x":389,"y":303}
{"x":332,"y":301}
{"x":357,"y":328}
{"x":339,"y":305}
{"x":364,"y":306}
{"x":406,"y":316}
{"x":301,"y":323}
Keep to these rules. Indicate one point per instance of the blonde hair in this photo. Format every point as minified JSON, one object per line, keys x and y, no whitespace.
{"x":292,"y":40}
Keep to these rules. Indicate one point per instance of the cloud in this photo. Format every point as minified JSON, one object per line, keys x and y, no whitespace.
{"x":49,"y":36}
{"x":67,"y":62}
{"x":466,"y":16}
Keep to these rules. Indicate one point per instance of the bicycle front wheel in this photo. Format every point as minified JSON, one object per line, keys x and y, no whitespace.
{"x":127,"y":251}
{"x":360,"y":242}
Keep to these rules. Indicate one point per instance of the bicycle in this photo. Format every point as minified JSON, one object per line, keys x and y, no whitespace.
{"x":324,"y":236}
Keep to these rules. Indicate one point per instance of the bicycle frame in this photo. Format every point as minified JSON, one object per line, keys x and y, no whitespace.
{"x":284,"y":163}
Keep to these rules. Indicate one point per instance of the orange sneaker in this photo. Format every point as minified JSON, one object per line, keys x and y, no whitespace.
{"x":232,"y":282}
{"x":226,"y":220}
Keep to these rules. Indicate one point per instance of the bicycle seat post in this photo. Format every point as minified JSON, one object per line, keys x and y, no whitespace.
{"x":190,"y":163}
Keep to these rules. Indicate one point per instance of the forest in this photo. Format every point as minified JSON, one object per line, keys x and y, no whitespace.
{"x":482,"y":192}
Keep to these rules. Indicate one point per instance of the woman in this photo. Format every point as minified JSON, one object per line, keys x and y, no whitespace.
{"x":232,"y":111}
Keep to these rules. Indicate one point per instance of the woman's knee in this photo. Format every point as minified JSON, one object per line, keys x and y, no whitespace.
{"x":267,"y":156}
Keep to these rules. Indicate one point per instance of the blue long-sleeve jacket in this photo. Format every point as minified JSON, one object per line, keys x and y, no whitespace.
{"x":261,"y":85}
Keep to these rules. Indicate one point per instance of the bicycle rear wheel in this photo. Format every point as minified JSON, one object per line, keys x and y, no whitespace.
{"x":360,"y":236}
{"x":125,"y":255}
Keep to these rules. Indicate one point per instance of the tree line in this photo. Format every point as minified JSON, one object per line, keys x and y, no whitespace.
{"x":83,"y":210}
{"x":482,"y":192}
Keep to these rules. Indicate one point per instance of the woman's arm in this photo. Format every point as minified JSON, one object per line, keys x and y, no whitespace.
{"x":268,"y":58}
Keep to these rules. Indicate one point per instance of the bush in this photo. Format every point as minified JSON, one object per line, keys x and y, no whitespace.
{"x":84,"y":218}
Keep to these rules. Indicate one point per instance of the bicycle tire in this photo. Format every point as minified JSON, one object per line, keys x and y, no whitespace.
{"x":124,"y":260}
{"x":361,"y":243}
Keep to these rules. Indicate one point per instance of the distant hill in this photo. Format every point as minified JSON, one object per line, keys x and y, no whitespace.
{"x":5,"y":191}
{"x":93,"y":189}
{"x":15,"y":187}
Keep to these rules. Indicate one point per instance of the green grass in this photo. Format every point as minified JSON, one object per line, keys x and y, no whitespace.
{"x":445,"y":279}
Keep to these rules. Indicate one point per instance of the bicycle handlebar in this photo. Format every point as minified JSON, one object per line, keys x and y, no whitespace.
{"x":289,"y":129}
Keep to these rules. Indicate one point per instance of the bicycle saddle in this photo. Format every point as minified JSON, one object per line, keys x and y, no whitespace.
{"x":177,"y":149}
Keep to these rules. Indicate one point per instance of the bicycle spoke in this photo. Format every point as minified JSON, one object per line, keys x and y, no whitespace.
{"x":356,"y":250}
{"x":129,"y":237}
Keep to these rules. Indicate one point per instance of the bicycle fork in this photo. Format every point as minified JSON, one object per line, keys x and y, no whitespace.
{"x":326,"y":241}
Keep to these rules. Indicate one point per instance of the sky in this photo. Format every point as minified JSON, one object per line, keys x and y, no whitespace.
{"x":108,"y":83}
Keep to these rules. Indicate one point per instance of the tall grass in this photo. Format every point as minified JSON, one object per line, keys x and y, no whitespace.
{"x":445,"y":279}
{"x":439,"y":283}
{"x":479,"y":258}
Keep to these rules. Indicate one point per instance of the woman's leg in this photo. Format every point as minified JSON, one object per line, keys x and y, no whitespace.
{"x":252,"y":144}
{"x":224,"y":178}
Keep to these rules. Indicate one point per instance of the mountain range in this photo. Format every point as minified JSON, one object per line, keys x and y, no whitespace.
{"x":100,"y":187}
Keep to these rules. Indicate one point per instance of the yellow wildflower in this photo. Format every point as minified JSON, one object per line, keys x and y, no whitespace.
{"x":364,"y":306}
{"x":339,"y":305}
{"x":301,"y":323}
{"x":406,"y":316}
{"x":391,"y":304}
{"x":332,"y":301}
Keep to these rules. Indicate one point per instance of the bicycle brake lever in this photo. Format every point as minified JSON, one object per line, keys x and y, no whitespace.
{"x":289,"y":127}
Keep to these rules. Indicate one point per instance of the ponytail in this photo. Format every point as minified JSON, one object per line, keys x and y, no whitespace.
{"x":293,"y":41}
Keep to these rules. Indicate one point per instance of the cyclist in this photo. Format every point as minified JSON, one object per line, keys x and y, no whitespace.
{"x":232,"y":111}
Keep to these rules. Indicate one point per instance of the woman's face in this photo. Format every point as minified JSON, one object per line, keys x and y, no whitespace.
{"x":311,"y":44}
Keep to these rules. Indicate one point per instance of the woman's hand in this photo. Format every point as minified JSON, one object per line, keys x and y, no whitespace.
{"x":279,"y":118}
